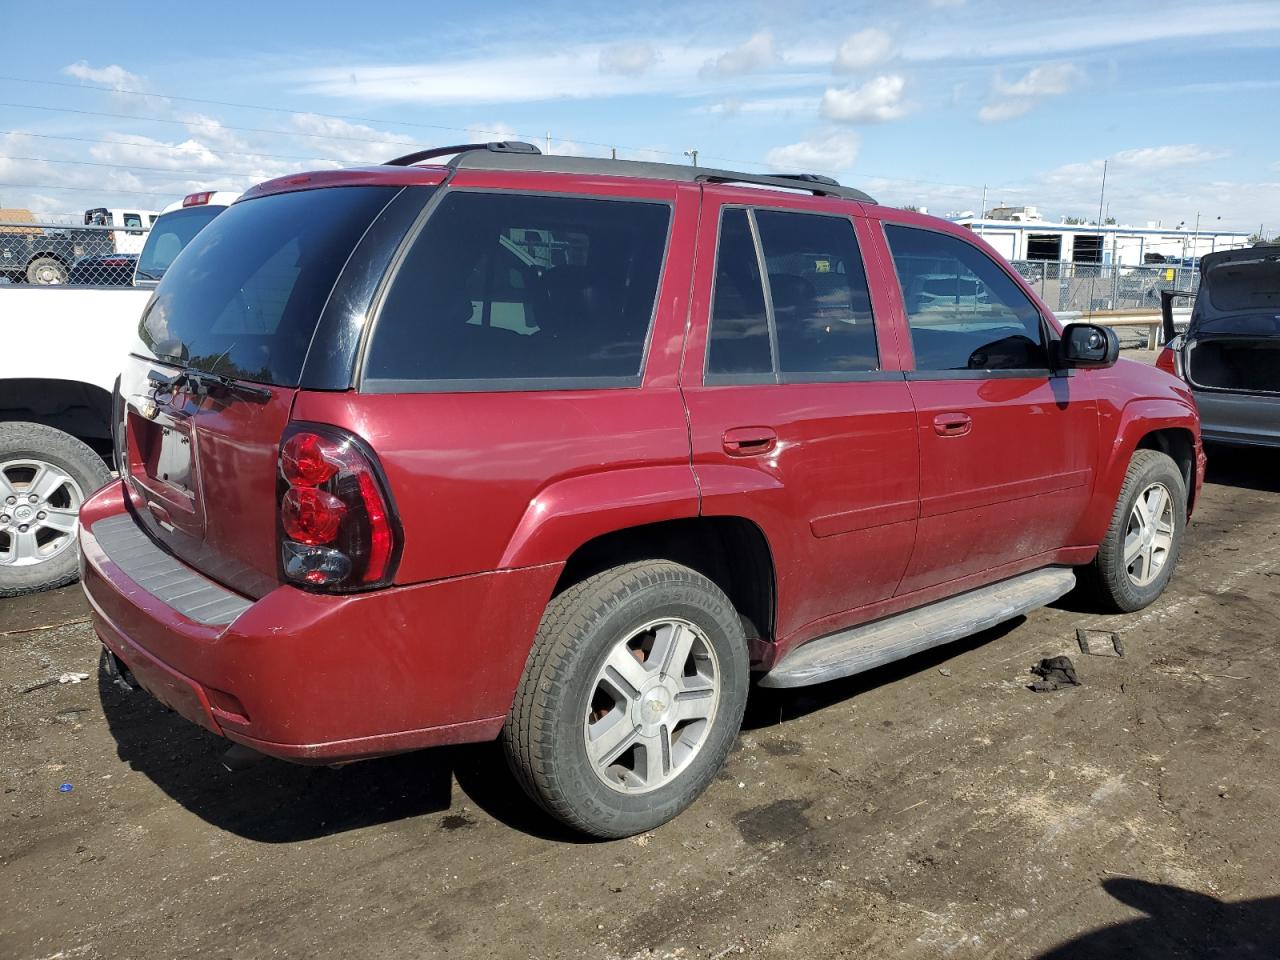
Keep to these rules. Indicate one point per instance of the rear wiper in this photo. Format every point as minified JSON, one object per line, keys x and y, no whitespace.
{"x":143,"y":275}
{"x":203,"y":383}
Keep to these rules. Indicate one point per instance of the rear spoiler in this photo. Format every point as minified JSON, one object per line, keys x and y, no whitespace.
{"x":1166,"y":310}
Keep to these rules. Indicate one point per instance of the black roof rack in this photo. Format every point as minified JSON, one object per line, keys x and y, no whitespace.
{"x":517,"y":155}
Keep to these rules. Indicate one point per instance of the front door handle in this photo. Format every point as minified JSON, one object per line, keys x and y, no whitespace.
{"x":749,"y":441}
{"x":952,"y":424}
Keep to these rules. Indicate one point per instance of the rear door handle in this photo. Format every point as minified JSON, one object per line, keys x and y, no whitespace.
{"x":952,"y":424}
{"x":749,"y":441}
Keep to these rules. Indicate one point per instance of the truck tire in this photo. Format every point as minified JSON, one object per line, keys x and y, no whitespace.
{"x":46,"y":270}
{"x":632,"y":696}
{"x":45,"y":475}
{"x":1138,"y":554}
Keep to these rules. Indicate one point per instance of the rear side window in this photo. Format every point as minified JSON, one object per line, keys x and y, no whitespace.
{"x":521,"y":291}
{"x":964,"y":311}
{"x":817,"y":324}
{"x":244,"y":297}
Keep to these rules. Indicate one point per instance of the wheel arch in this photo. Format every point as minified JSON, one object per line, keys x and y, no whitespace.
{"x":75,"y":407}
{"x":732,"y":552}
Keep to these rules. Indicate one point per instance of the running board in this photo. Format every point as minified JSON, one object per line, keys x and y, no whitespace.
{"x":875,"y":644}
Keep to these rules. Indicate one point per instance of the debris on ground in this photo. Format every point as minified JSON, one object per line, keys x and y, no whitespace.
{"x":1100,"y":643}
{"x":945,"y":672}
{"x":64,"y":678}
{"x":1055,"y":673}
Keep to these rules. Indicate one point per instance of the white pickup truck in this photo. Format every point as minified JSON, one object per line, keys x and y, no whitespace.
{"x":64,"y":346}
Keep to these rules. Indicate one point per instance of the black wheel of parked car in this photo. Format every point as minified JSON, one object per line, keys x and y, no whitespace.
{"x":631,"y":698}
{"x":1138,"y":554}
{"x":45,"y":475}
{"x":46,"y":270}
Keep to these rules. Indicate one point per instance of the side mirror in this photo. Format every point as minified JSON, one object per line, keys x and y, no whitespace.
{"x":1166,"y":310}
{"x":1089,"y":345}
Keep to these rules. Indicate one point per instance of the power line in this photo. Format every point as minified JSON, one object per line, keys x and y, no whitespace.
{"x":154,"y":145}
{"x":131,"y":193}
{"x":129,"y":166}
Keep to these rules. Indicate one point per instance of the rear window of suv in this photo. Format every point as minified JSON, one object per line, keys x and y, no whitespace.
{"x":517,"y":291}
{"x":245,"y":295}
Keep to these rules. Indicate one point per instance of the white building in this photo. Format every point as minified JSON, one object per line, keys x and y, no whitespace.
{"x":1020,"y":233}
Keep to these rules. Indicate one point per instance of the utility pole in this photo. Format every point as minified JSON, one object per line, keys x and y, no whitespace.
{"x":1101,"y":236}
{"x":1195,"y":237}
{"x":692,"y":155}
{"x":548,"y":141}
{"x":983,"y":214}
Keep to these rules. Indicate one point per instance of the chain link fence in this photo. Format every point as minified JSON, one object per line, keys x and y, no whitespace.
{"x":1104,"y":287}
{"x":53,"y":253}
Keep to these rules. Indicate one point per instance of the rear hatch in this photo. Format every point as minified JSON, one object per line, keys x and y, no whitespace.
{"x":1233,"y":340}
{"x":208,"y":392}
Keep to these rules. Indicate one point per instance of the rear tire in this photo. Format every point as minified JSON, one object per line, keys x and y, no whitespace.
{"x":631,"y":698}
{"x":26,"y":449}
{"x":1140,"y":550}
{"x":46,"y":271}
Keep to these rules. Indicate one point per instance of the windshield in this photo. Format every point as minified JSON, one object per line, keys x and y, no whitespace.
{"x":244,"y":297}
{"x":169,"y":235}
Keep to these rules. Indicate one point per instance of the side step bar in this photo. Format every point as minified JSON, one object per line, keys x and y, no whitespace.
{"x":875,"y":644}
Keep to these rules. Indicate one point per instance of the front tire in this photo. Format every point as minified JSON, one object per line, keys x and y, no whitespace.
{"x":631,"y":698}
{"x":1140,"y":550}
{"x":45,"y":475}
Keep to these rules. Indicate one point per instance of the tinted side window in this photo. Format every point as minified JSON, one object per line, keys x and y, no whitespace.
{"x":821,"y":305}
{"x":739,"y":335}
{"x":515,"y":287}
{"x":965,"y":312}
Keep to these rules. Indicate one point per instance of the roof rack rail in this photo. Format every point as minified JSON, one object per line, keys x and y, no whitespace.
{"x":494,"y":146}
{"x":517,"y":155}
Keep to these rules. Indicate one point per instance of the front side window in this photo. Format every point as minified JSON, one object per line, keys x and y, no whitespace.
{"x":965,"y":312}
{"x":512,"y":287}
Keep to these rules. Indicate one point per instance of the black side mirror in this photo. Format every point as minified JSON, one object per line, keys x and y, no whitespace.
{"x":1089,"y":345}
{"x":1166,"y":310}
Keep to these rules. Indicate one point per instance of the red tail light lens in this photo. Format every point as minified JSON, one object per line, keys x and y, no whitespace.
{"x":197,"y":199}
{"x":1170,"y":358}
{"x":337,"y":527}
{"x":311,"y":516}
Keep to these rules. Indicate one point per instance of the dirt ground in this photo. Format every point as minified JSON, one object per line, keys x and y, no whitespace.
{"x":936,"y":808}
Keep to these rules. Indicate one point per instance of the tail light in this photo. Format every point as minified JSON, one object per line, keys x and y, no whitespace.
{"x":1170,"y":358}
{"x":337,"y":527}
{"x":197,"y":199}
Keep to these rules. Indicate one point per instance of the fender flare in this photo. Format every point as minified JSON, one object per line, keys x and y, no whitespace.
{"x":571,"y":511}
{"x":1138,"y":418}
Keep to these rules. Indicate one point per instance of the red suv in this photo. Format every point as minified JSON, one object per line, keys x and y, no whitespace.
{"x":565,"y":451}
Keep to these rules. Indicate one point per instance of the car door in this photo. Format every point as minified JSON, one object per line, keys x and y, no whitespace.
{"x":1007,"y":446}
{"x":799,"y":414}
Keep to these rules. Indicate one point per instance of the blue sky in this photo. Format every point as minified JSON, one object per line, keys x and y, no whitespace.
{"x":920,"y":101}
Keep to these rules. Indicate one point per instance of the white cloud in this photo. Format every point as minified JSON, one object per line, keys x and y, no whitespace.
{"x":1049,"y":80}
{"x":939,"y":4}
{"x":864,"y":50}
{"x":484,"y":132}
{"x":350,"y":142}
{"x":1013,"y":99}
{"x":765,"y":106}
{"x":757,"y":53}
{"x":832,"y":152}
{"x":629,"y":59}
{"x":1005,"y":110}
{"x":876,"y":101}
{"x":113,"y":75}
{"x":1172,"y":155}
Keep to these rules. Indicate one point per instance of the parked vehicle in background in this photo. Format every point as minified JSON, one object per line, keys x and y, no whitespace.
{"x":105,"y":269}
{"x":173,"y":230}
{"x":132,"y":224}
{"x":56,"y":401}
{"x":1230,"y":353}
{"x":41,"y":254}
{"x":564,"y":450}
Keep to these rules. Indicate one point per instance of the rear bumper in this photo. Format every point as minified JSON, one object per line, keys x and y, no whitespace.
{"x":1239,"y":418}
{"x":319,"y":678}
